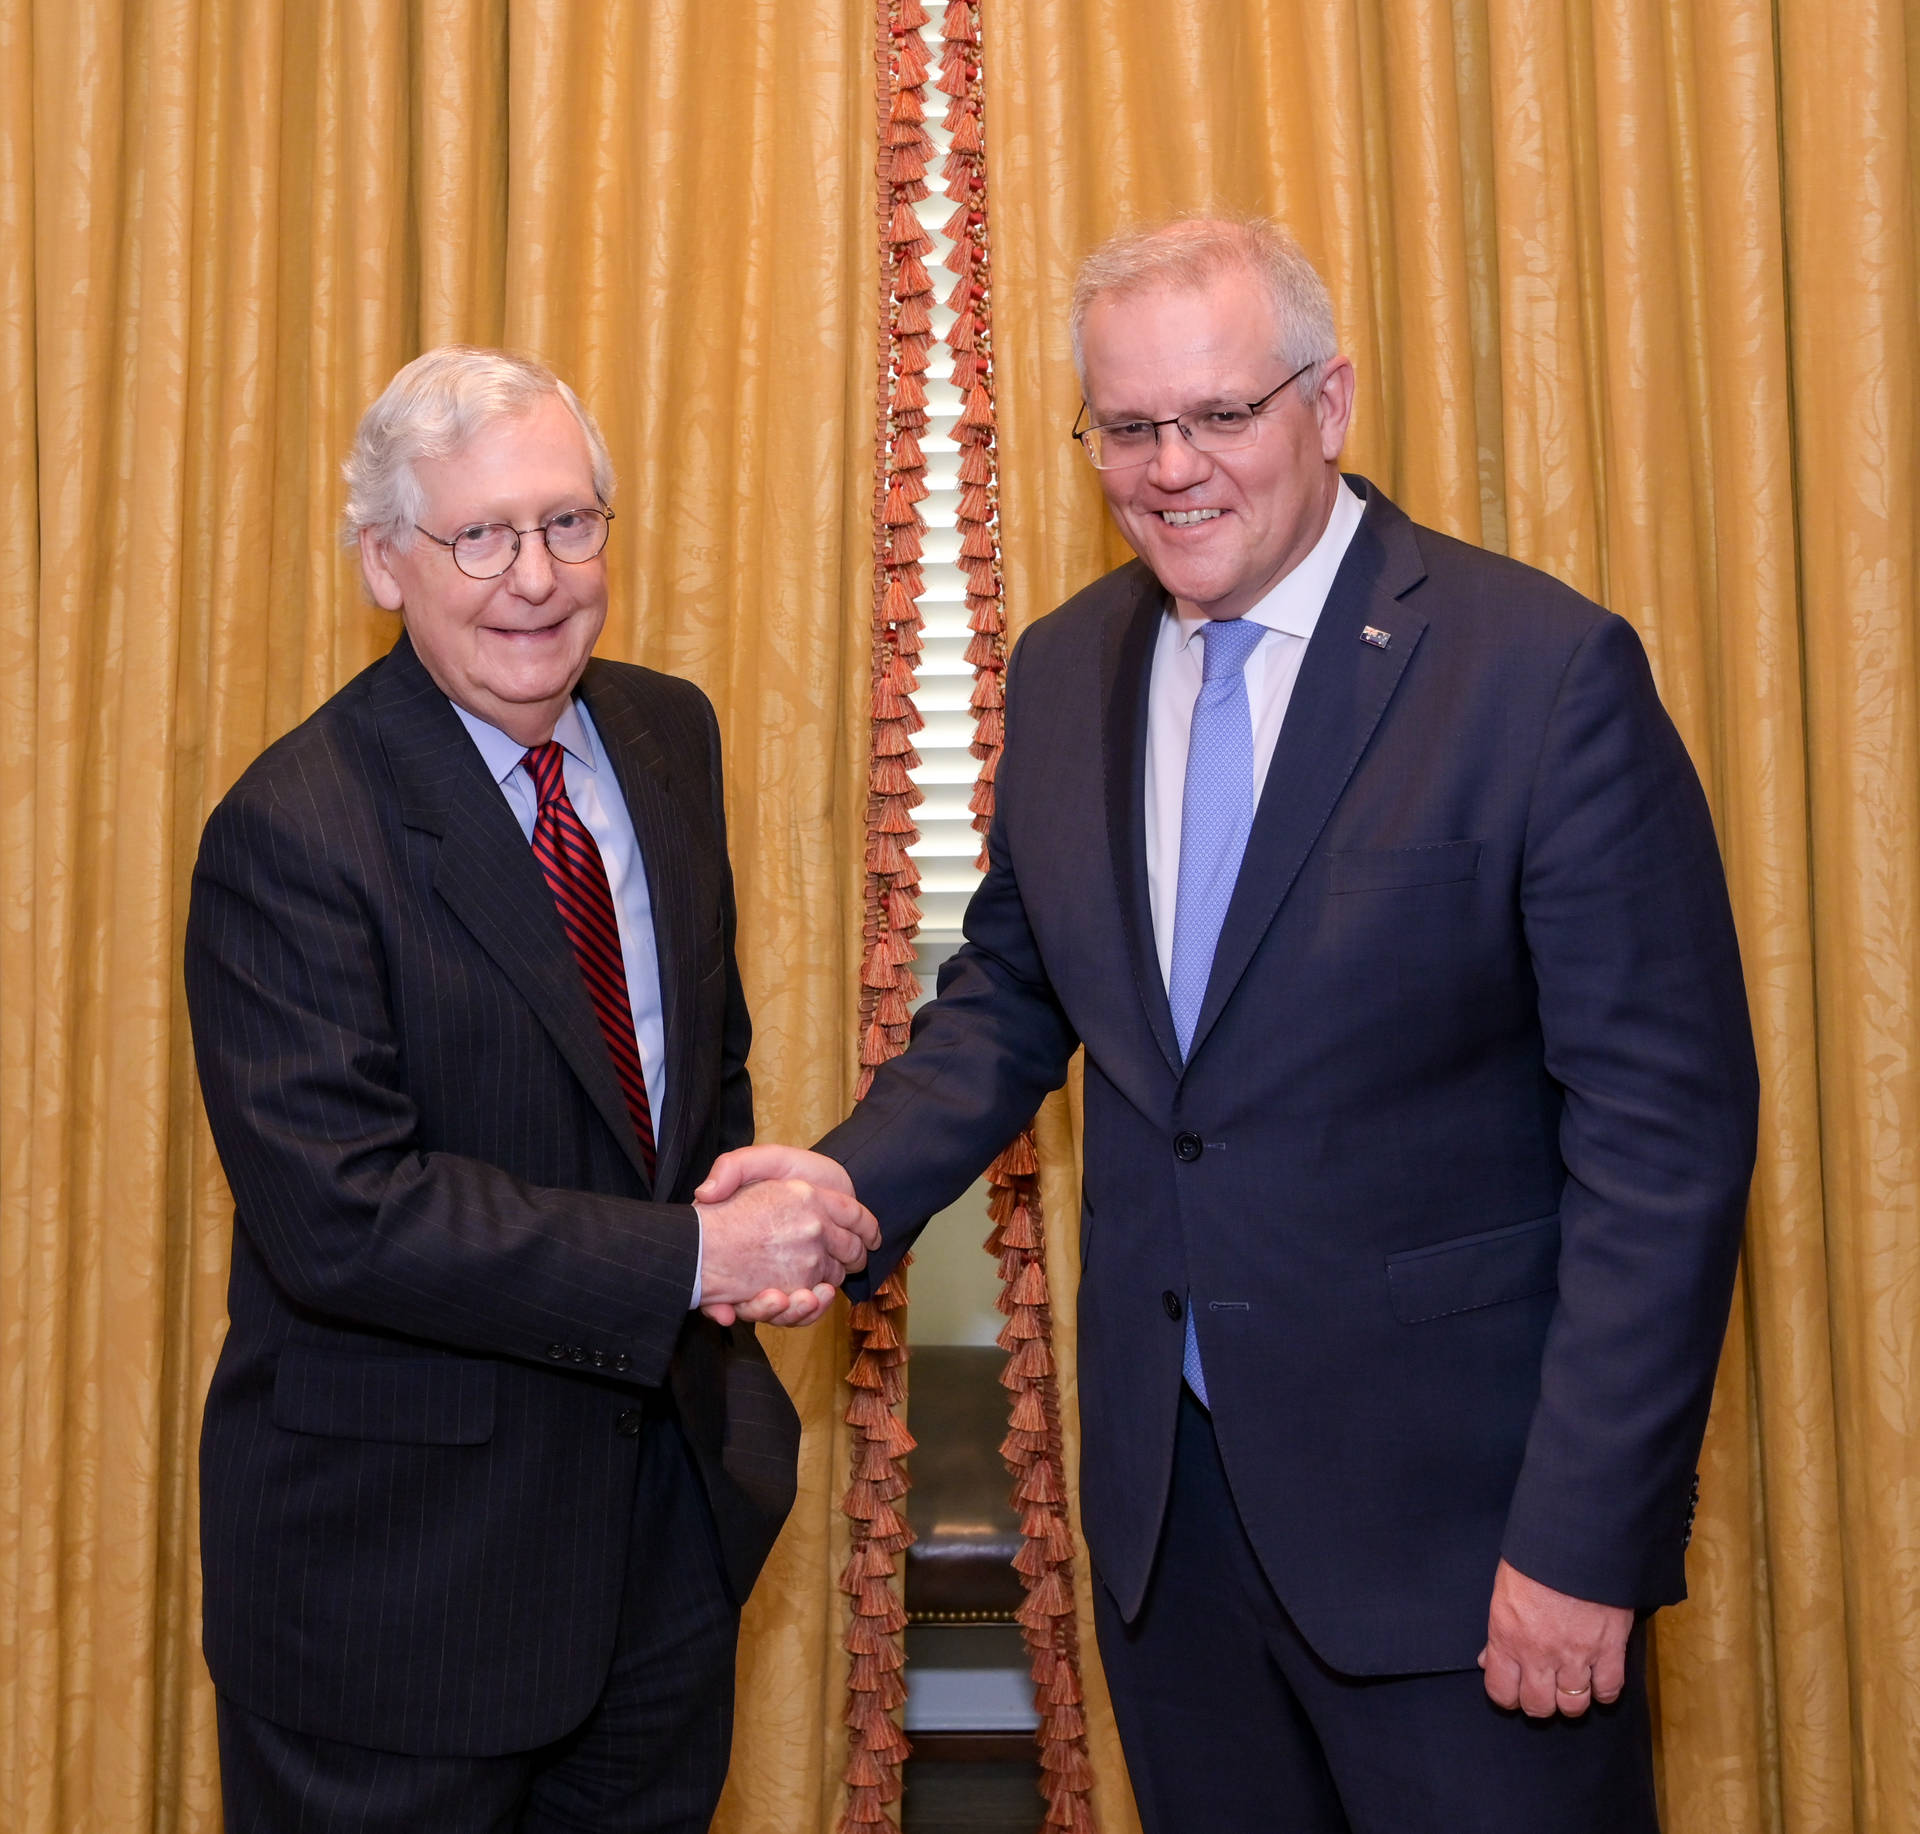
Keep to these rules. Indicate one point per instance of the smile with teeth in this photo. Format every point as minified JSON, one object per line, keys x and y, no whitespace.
{"x":1185,"y":518}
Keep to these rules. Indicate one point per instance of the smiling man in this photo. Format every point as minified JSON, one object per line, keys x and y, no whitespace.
{"x":1420,"y":1100}
{"x":482,"y":1490}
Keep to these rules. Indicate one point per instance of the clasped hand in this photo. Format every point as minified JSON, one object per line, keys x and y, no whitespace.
{"x":780,"y":1229}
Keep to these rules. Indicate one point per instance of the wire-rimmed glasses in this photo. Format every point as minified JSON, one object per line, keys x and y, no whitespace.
{"x":1118,"y":444}
{"x":485,"y":550}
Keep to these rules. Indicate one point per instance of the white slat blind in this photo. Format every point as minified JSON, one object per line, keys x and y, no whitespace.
{"x":948,"y":844}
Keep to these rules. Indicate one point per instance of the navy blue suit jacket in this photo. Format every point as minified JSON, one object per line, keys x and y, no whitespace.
{"x":452,"y":1284}
{"x":1456,"y":1167}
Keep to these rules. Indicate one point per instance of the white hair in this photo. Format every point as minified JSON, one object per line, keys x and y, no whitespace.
{"x":1189,"y":255}
{"x":433,"y":409}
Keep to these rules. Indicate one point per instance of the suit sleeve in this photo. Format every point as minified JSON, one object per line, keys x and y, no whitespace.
{"x":984,"y":1054}
{"x":736,"y":1086}
{"x":306,"y":1092}
{"x":1644,"y":1016}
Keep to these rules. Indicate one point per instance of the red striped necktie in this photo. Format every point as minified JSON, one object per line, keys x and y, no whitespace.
{"x":578,"y":880}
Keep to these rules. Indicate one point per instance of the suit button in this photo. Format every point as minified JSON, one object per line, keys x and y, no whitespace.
{"x":623,"y":1362}
{"x":1187,"y":1148}
{"x":558,"y":1352}
{"x":577,"y":1354}
{"x":628,"y":1425}
{"x":1171,"y":1303}
{"x":599,"y":1359}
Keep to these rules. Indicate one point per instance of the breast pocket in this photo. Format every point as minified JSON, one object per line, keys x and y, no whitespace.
{"x":414,"y":1401}
{"x":1383,"y":869}
{"x":1473,"y":1271}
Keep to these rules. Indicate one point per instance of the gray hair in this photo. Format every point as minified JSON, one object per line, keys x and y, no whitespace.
{"x":433,"y":409}
{"x":1189,"y":255}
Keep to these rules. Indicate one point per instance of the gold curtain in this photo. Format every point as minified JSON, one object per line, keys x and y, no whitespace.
{"x":1631,"y":291}
{"x":222,"y":227}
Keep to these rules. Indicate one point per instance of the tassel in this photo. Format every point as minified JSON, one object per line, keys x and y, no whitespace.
{"x":905,"y":232}
{"x":911,"y":278}
{"x":912,"y":315}
{"x":1032,"y":1361}
{"x":1022,"y":1231}
{"x":906,"y":543}
{"x":1037,"y":1486}
{"x":1022,"y":1324}
{"x":894,"y":819}
{"x":976,"y":542}
{"x":983,"y":648}
{"x":897,"y":606}
{"x":911,"y":60}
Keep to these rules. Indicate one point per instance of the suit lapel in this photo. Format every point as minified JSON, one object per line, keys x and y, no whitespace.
{"x":664,"y":842}
{"x":1342,"y":690}
{"x":486,"y":872}
{"x":1126,"y":671}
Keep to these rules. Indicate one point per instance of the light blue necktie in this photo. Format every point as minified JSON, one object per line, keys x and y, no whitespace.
{"x":1216,"y":814}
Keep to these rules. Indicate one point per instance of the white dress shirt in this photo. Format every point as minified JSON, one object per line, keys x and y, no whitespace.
{"x":1290,"y":612}
{"x":594,"y":791}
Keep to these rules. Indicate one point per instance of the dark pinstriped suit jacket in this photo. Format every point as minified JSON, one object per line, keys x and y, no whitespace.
{"x":451,"y":1283}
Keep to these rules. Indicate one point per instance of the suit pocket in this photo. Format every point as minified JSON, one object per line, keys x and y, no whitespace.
{"x":1472,"y":1271}
{"x":408,"y":1401}
{"x":1386,"y":869}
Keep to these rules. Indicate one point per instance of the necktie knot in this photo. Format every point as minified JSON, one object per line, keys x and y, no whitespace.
{"x":1229,"y":642}
{"x":546,"y":765}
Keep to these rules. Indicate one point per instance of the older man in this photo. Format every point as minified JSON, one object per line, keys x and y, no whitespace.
{"x":1420,"y":1099}
{"x":481,"y":1489}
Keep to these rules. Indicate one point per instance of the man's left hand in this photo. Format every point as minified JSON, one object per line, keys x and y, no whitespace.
{"x":1548,"y":1653}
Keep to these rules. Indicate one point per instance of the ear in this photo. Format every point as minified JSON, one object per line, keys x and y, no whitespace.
{"x":382,"y":582}
{"x":1334,"y":407}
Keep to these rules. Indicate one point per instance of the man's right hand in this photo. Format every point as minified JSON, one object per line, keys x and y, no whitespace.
{"x":781,"y":1242}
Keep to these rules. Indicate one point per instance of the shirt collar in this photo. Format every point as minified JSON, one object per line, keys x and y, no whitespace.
{"x":503,"y":754}
{"x":1294,"y":603}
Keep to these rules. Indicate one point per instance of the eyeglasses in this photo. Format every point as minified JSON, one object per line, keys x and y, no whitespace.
{"x":1122,"y":443}
{"x":485,"y":550}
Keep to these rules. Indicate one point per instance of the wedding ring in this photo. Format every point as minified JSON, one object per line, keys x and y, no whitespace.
{"x":1575,"y":1693}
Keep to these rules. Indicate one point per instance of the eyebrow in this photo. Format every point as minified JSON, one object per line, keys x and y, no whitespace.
{"x":1105,"y":418}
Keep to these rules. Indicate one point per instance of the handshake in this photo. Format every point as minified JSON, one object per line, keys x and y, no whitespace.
{"x":780,"y":1229}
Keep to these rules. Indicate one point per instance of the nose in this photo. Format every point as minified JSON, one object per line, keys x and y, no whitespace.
{"x":532,"y":570}
{"x":1177,"y":464}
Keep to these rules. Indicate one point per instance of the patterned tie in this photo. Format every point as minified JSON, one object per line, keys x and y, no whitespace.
{"x":1216,"y":814}
{"x":578,"y":880}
